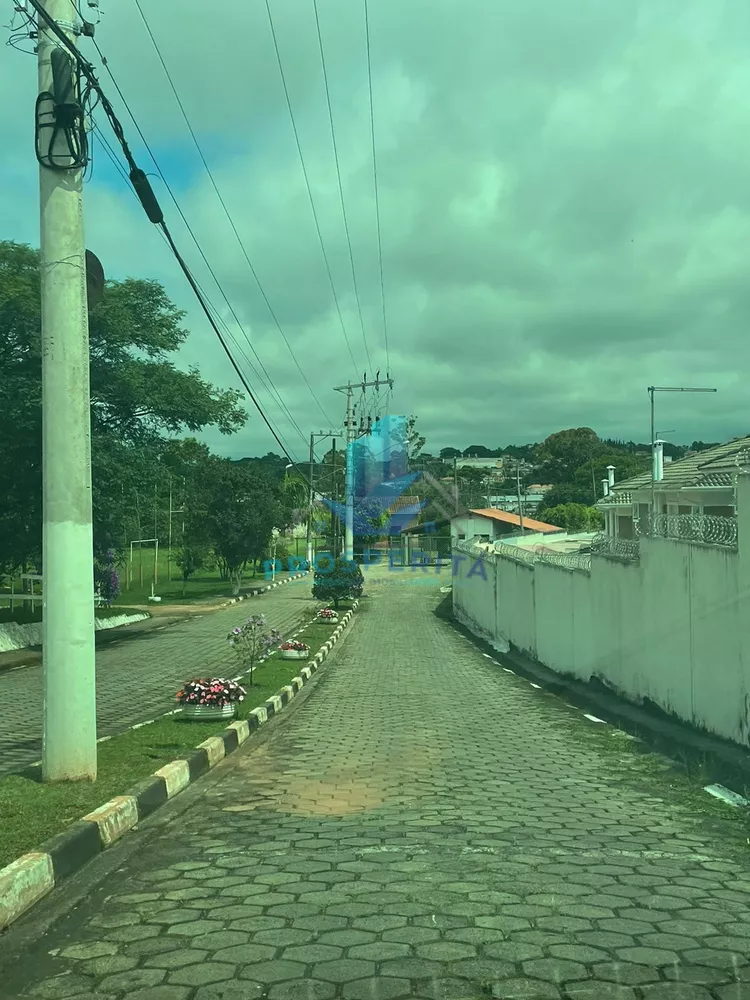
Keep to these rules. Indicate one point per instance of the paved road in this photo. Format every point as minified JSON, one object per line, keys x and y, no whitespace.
{"x":422,"y":824}
{"x":164,"y":656}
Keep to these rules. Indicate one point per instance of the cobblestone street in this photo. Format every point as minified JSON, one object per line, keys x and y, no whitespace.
{"x":422,"y":824}
{"x":160,"y":659}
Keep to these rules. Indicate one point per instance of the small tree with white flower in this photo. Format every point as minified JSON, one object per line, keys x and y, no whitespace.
{"x":252,"y":641}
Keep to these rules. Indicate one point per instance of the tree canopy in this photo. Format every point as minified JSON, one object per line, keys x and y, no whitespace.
{"x":243,"y":508}
{"x":139,"y":398}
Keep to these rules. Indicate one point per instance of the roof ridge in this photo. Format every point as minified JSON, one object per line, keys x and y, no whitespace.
{"x":695,"y":461}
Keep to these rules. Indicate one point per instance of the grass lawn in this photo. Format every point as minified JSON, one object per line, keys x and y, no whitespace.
{"x":198,"y":588}
{"x":30,"y":811}
{"x":204,"y":585}
{"x":25,"y":615}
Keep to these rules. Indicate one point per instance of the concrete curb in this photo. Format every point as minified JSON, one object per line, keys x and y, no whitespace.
{"x":262,"y":590}
{"x":31,"y":877}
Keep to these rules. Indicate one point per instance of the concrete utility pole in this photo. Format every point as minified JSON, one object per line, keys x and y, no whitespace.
{"x":69,"y":741}
{"x":311,"y":490}
{"x":351,"y":435}
{"x":335,"y":525}
{"x":518,"y":494}
{"x":310,"y":500}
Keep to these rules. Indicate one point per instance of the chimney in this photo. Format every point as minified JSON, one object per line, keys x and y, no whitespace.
{"x":605,"y":487}
{"x":658,"y":461}
{"x":610,"y":476}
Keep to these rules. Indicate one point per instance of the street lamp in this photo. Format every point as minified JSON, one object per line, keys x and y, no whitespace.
{"x":651,"y":390}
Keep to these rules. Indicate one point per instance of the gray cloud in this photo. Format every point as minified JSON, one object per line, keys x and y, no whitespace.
{"x":564,"y":207}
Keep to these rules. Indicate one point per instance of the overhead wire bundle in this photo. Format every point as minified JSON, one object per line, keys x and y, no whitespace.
{"x":145,"y":194}
{"x":74,"y":127}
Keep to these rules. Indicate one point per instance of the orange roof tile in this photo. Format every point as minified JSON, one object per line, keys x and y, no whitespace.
{"x":508,"y":518}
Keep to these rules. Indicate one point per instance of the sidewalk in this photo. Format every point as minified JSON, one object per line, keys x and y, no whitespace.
{"x":163,"y":653}
{"x":423,"y":824}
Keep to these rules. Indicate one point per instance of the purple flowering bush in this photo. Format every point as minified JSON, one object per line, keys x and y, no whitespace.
{"x":107,"y":579}
{"x":252,"y":641}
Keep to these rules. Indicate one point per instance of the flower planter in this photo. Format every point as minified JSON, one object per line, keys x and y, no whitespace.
{"x":333,"y":619}
{"x":294,"y":654}
{"x":206,"y":713}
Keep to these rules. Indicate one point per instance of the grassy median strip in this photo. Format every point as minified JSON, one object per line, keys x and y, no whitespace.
{"x":31,"y":812}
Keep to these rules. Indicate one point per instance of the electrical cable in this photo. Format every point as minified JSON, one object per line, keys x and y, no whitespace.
{"x":377,"y":197}
{"x":193,"y":236}
{"x":205,"y":259}
{"x":111,"y":155}
{"x":153,"y":210}
{"x":61,"y":113}
{"x":199,"y":296}
{"x":307,"y":183}
{"x":338,"y":175}
{"x":226,"y":212}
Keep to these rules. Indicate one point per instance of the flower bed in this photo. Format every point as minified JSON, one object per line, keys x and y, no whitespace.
{"x":213,"y":698}
{"x":328,"y":615}
{"x":293,"y":649}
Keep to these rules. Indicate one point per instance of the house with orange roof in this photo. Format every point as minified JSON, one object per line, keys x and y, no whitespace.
{"x":488,"y":524}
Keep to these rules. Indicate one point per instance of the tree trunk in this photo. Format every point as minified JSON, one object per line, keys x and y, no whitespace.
{"x":236,"y":582}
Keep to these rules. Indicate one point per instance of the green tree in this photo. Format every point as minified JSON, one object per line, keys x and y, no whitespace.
{"x":478,"y":451}
{"x":243,"y":508}
{"x":561,"y":455}
{"x":189,"y":558}
{"x":294,"y":494}
{"x":587,"y":480}
{"x":337,"y":580}
{"x":524,"y":452}
{"x":565,"y":493}
{"x":572,"y":516}
{"x":138,"y":397}
{"x":450,"y":453}
{"x":414,"y":440}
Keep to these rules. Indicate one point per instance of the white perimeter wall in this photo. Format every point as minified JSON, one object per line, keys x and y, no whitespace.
{"x":674,"y":628}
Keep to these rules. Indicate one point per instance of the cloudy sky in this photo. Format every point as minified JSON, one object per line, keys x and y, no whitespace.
{"x":564,"y":203}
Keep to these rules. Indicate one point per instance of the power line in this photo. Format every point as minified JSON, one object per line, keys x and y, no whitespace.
{"x":200,"y":249}
{"x":338,"y":175}
{"x":226,"y":212}
{"x":118,"y":132}
{"x":150,"y":204}
{"x":377,"y":197}
{"x":307,"y":185}
{"x":118,"y":167}
{"x":196,"y":290}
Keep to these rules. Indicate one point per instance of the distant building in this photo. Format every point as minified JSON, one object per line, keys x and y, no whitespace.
{"x":488,"y":525}
{"x":530,"y":502}
{"x":491,"y":464}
